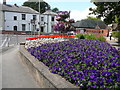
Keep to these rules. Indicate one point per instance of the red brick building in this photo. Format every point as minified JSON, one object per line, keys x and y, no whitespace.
{"x":98,"y":28}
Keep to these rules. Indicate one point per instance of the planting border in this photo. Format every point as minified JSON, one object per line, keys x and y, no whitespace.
{"x":41,"y":73}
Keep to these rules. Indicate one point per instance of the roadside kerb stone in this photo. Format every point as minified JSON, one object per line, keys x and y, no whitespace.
{"x":41,"y":73}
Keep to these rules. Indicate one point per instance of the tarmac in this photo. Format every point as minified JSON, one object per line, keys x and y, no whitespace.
{"x":14,"y":73}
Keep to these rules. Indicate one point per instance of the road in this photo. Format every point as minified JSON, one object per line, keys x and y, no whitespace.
{"x":8,"y":39}
{"x":14,"y":73}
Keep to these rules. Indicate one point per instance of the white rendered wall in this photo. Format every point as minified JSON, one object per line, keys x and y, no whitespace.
{"x":10,"y":22}
{"x":48,"y":26}
{"x":1,"y":20}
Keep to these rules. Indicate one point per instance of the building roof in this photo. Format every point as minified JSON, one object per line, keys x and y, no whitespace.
{"x":90,"y":24}
{"x":49,"y":12}
{"x":15,"y":8}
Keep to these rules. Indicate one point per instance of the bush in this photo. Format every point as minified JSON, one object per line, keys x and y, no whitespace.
{"x":116,"y":34}
{"x":79,"y":35}
{"x":101,"y":38}
{"x":82,"y":37}
{"x":89,"y":36}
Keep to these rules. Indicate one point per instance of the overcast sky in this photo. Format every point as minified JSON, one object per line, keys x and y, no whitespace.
{"x":79,"y":8}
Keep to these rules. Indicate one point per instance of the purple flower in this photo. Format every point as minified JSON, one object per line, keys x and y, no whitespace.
{"x":86,"y":63}
{"x":94,"y":86}
{"x":81,"y":85}
{"x":92,"y":76}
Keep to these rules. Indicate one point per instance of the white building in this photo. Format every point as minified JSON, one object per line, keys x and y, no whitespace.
{"x":48,"y":19}
{"x":18,"y":18}
{"x":25,"y":19}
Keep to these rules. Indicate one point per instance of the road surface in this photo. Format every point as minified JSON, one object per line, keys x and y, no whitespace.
{"x":9,"y":39}
{"x":14,"y":73}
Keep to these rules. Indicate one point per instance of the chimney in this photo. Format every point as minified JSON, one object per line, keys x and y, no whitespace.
{"x":16,"y":5}
{"x":4,"y":2}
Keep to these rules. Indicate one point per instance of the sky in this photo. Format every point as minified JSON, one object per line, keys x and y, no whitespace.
{"x":79,"y":8}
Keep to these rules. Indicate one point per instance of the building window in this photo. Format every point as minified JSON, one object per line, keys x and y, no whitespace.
{"x":15,"y":17}
{"x":23,"y":27}
{"x":15,"y":28}
{"x":34,"y":17}
{"x":52,"y":19}
{"x":23,"y":16}
{"x":42,"y":18}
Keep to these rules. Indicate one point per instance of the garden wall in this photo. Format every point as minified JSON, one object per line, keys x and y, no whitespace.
{"x":41,"y":73}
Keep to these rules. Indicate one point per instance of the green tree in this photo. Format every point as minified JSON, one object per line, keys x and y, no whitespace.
{"x":56,"y":10}
{"x":35,"y":5}
{"x":108,"y":10}
{"x":92,"y":18}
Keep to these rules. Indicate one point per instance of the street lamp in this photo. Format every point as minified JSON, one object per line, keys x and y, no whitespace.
{"x":39,"y":19}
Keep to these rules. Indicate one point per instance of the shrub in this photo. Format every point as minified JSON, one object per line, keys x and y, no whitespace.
{"x":82,"y":37}
{"x":84,"y":62}
{"x":116,"y":34}
{"x":79,"y":35}
{"x":89,"y":36}
{"x":101,"y":38}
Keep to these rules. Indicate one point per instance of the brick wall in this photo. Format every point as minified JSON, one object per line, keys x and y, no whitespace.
{"x":97,"y":32}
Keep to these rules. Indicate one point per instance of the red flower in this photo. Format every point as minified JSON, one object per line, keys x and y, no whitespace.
{"x":50,"y":36}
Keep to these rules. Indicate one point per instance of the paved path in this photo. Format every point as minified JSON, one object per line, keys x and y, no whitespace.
{"x":113,"y":42}
{"x":14,"y":73}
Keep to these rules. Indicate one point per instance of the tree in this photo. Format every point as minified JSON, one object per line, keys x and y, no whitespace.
{"x":56,"y":10}
{"x":92,"y":18}
{"x":64,"y":22}
{"x":35,"y":5}
{"x":108,"y":10}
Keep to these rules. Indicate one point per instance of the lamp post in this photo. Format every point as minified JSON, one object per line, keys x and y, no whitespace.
{"x":39,"y":19}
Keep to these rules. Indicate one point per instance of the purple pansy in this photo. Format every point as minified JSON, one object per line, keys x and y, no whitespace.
{"x":85,"y":63}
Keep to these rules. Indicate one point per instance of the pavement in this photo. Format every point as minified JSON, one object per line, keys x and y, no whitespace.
{"x":113,"y":42}
{"x":14,"y":73}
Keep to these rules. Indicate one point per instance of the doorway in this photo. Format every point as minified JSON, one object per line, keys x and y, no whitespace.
{"x":15,"y":28}
{"x":42,"y":29}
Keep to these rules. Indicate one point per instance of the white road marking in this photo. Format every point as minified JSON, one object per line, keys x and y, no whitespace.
{"x":4,"y":42}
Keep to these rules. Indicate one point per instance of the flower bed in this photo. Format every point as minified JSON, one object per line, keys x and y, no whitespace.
{"x":83,"y":62}
{"x":37,"y":43}
{"x":50,"y":36}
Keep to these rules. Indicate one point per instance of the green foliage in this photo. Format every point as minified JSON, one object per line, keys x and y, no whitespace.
{"x":82,"y":37}
{"x":89,"y":36}
{"x":35,"y":5}
{"x":79,"y":35}
{"x":101,"y":38}
{"x":116,"y":34}
{"x":56,"y":10}
{"x":109,"y":10}
{"x":92,"y":18}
